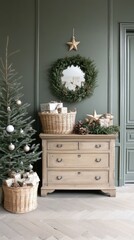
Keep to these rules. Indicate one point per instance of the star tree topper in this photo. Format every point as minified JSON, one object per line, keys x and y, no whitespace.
{"x":73,"y":44}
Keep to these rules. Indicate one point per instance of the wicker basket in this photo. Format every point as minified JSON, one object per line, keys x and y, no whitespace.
{"x":20,"y":199}
{"x":57,"y":123}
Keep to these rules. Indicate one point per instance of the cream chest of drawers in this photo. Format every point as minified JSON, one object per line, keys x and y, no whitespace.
{"x":78,"y":162}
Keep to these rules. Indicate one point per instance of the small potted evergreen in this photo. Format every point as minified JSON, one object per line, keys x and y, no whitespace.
{"x":18,"y":149}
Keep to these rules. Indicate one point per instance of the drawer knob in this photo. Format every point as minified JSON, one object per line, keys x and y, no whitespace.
{"x":59,"y":160}
{"x":98,"y":160}
{"x":97,"y":178}
{"x":59,"y":145}
{"x":59,"y":177}
{"x":79,"y":155}
{"x":98,"y":145}
{"x":79,"y":173}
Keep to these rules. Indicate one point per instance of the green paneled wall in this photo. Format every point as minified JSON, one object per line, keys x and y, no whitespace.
{"x":40,"y":29}
{"x":17,"y":20}
{"x":56,"y":26}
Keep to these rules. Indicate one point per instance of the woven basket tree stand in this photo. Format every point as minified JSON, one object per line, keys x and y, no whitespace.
{"x":20,"y":199}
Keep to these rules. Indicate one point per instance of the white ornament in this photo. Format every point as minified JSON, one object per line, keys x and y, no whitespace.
{"x":26,"y":148}
{"x":8,"y":109}
{"x":30,"y":167}
{"x":10,"y":128}
{"x":11,"y":147}
{"x":18,"y":102}
{"x":21,"y":131}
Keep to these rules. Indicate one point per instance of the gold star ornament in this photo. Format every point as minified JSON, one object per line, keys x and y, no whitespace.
{"x":73,"y":44}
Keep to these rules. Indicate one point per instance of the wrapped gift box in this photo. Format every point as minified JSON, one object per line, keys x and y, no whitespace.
{"x":50,"y":107}
{"x":106,"y":120}
{"x":62,"y":110}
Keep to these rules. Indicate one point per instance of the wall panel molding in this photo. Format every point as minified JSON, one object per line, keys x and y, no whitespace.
{"x":130,"y":77}
{"x":124,"y":29}
{"x":110,"y":57}
{"x":37,"y":36}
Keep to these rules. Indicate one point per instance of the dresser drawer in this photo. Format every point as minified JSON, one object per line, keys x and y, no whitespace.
{"x":96,"y":145}
{"x":62,"y":146}
{"x":62,"y":160}
{"x":78,"y":177}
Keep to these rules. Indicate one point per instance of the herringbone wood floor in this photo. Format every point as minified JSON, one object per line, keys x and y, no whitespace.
{"x":74,"y":215}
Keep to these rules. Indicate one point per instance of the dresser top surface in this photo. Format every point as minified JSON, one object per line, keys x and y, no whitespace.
{"x":77,"y":136}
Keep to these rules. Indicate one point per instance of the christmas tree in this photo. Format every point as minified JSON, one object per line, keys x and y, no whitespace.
{"x":18,"y":150}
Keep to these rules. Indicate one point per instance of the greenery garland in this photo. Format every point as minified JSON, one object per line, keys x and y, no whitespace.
{"x":94,"y":127}
{"x":58,"y":88}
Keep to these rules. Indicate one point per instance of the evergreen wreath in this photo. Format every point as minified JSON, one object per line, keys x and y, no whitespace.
{"x":60,"y":90}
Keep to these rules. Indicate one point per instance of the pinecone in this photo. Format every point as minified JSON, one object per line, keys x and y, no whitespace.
{"x":83,"y":131}
{"x":77,"y":127}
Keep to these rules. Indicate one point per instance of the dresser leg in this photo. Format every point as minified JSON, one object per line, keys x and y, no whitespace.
{"x":110,"y":192}
{"x":44,"y":192}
